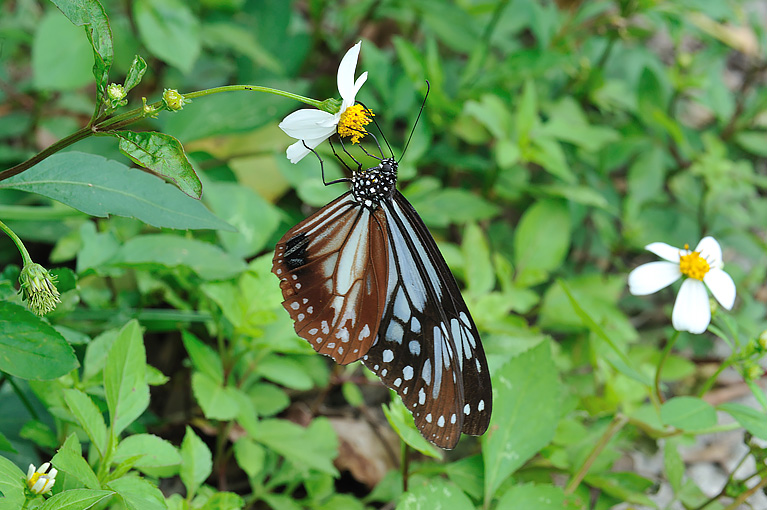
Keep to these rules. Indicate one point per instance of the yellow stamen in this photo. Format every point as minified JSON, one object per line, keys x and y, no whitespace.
{"x":353,"y":121}
{"x":693,"y":265}
{"x":33,"y":479}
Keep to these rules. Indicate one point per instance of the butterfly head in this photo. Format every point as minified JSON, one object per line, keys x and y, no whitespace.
{"x":372,"y":185}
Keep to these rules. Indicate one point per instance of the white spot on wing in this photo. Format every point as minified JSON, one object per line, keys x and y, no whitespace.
{"x":466,"y":409}
{"x":388,"y":355}
{"x":481,"y":405}
{"x":421,"y":396}
{"x":415,"y":347}
{"x":407,"y":372}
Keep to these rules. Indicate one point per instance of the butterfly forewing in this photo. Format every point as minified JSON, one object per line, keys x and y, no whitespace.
{"x":333,"y":274}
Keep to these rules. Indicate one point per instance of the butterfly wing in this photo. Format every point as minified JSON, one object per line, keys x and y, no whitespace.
{"x":333,"y":270}
{"x":428,"y":348}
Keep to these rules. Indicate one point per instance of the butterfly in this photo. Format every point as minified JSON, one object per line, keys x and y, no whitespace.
{"x":363,"y":279}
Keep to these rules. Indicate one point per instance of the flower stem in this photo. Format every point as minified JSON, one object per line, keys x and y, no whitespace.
{"x":747,"y":494}
{"x":618,"y":422}
{"x":661,"y":362}
{"x":102,"y":125}
{"x":712,"y":380}
{"x":19,"y":244}
{"x":404,"y":465}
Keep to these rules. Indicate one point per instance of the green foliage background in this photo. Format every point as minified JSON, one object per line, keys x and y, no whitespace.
{"x":558,"y":139}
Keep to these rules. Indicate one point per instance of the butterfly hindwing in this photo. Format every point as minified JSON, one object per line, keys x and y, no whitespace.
{"x":333,"y":270}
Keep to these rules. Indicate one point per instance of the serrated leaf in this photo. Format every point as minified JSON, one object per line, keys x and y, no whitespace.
{"x":88,"y":416}
{"x":70,"y":460}
{"x":285,"y":371}
{"x":196,"y":461}
{"x":30,"y":348}
{"x":313,"y":447}
{"x":526,"y":391}
{"x":250,"y":456}
{"x":154,"y":453}
{"x":100,"y":187}
{"x":125,"y":387}
{"x":138,"y":493}
{"x":163,"y":155}
{"x":435,"y":493}
{"x":688,"y":413}
{"x":75,"y":499}
{"x":216,"y":401}
{"x":169,"y":30}
{"x":12,"y":484}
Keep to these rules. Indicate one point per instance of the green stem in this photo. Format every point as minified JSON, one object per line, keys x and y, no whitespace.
{"x":747,"y":494}
{"x":712,"y":380}
{"x":661,"y":362}
{"x":618,"y":422}
{"x":19,"y":244}
{"x":135,"y":115}
{"x":404,"y":464}
{"x":39,"y":213}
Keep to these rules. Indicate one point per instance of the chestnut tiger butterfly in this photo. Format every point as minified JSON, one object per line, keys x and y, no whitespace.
{"x":362,"y":278}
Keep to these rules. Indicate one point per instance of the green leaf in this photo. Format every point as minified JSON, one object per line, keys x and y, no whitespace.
{"x":88,"y":416}
{"x":5,"y":445}
{"x":127,"y":392}
{"x":673,"y":463}
{"x":158,"y":456}
{"x":169,"y":30}
{"x":753,"y":420}
{"x":224,"y":501}
{"x":135,"y":73}
{"x":538,"y":497}
{"x":285,"y":371}
{"x":453,"y":205}
{"x":527,"y":391}
{"x":527,"y":112}
{"x":100,"y":187}
{"x":70,"y":460}
{"x":203,"y":357}
{"x":313,"y":447}
{"x":216,"y":401}
{"x":30,"y":348}
{"x":230,"y":36}
{"x":480,"y":275}
{"x":61,"y":56}
{"x":12,"y":484}
{"x":629,"y":487}
{"x":196,"y":462}
{"x":163,"y":155}
{"x":435,"y":493}
{"x":75,"y":499}
{"x":138,"y":494}
{"x":207,"y":260}
{"x":401,"y":420}
{"x":548,"y":153}
{"x":541,"y":241}
{"x":688,"y":413}
{"x":468,"y":474}
{"x":250,"y":456}
{"x":255,"y":219}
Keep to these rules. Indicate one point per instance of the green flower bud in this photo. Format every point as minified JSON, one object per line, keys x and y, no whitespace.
{"x":38,"y":289}
{"x":116,"y":95}
{"x":173,"y":100}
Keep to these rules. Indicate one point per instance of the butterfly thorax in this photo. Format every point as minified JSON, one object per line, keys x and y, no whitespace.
{"x":372,"y":185}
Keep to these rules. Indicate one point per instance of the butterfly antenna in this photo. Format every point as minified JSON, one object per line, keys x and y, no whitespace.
{"x":428,"y":88}
{"x":379,"y":130}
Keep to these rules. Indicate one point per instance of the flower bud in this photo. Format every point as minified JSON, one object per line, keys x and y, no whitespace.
{"x":39,"y":482}
{"x":116,"y":95}
{"x":173,"y":100}
{"x":38,"y":289}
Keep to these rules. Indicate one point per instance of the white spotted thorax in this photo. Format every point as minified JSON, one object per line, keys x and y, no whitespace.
{"x":372,"y":185}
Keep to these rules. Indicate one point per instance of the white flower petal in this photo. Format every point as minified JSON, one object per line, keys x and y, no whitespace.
{"x":721,"y":286}
{"x":30,"y":471}
{"x":692,"y":311}
{"x":664,"y":251}
{"x":710,"y":250}
{"x":350,"y":99}
{"x":652,"y":277}
{"x":53,"y":473}
{"x":305,"y":124}
{"x":298,"y":151}
{"x":346,"y":69}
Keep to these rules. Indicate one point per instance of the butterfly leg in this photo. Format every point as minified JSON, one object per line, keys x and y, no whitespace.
{"x":343,"y":146}
{"x":379,"y":149}
{"x":322,"y":167}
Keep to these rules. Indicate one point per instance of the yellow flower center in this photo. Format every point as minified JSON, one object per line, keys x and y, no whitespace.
{"x":693,"y":265}
{"x":353,"y":121}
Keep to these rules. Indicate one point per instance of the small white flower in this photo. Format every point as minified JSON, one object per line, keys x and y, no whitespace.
{"x":692,"y":311}
{"x":315,"y":126}
{"x":39,"y":482}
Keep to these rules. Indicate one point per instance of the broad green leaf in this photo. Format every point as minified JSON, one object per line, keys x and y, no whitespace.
{"x":40,"y":434}
{"x":135,"y":73}
{"x":753,"y":420}
{"x":230,"y":36}
{"x":434,"y":493}
{"x":401,"y":420}
{"x":138,"y":493}
{"x":163,"y":155}
{"x":688,"y":413}
{"x":100,"y":187}
{"x":313,"y":447}
{"x":480,"y":275}
{"x":527,"y":113}
{"x":96,"y":354}
{"x":651,"y":93}
{"x":579,"y":194}
{"x":629,"y":487}
{"x":541,"y":241}
{"x":127,"y":392}
{"x":453,"y":205}
{"x":673,"y":464}
{"x":468,"y":474}
{"x":753,"y":142}
{"x":5,"y":445}
{"x":169,"y":30}
{"x":207,"y":260}
{"x":196,"y":461}
{"x":75,"y":499}
{"x":216,"y":401}
{"x":548,"y":153}
{"x":158,"y":456}
{"x":224,"y":501}
{"x":12,"y":484}
{"x":61,"y":57}
{"x":531,"y":496}
{"x":88,"y":416}
{"x":285,"y":371}
{"x":268,"y":399}
{"x":526,"y":391}
{"x":30,"y":348}
{"x":250,"y":456}
{"x":203,"y":357}
{"x":70,"y":460}
{"x":255,"y":219}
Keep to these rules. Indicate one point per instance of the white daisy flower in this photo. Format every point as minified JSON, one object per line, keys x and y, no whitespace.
{"x":39,"y":482}
{"x":692,"y":311}
{"x":315,"y":126}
